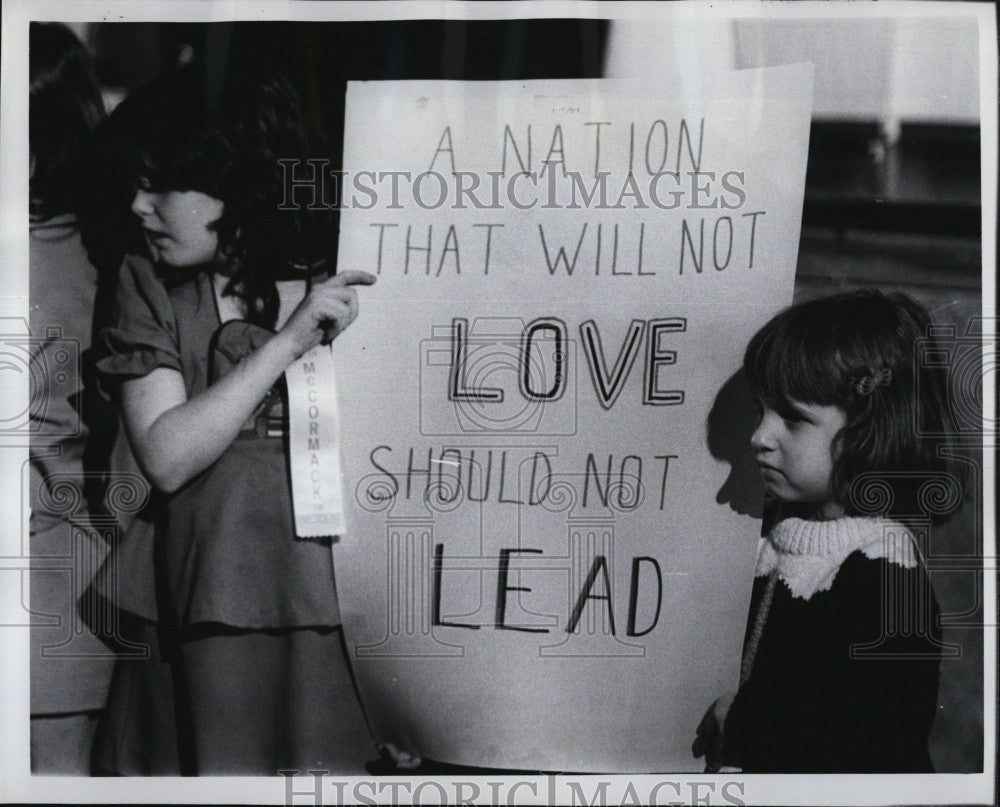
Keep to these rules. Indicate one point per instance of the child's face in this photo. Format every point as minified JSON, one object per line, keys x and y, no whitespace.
{"x":176,"y":225}
{"x":795,"y":453}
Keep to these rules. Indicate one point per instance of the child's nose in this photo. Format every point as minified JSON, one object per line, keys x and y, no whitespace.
{"x":142,"y":203}
{"x":762,"y":438}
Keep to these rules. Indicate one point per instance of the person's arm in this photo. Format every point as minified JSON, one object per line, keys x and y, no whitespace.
{"x":175,"y":438}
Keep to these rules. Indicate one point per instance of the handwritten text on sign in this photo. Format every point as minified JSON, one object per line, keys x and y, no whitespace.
{"x":547,"y":543}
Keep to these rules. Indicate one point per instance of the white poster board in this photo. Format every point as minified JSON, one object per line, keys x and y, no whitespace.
{"x":550,"y":535}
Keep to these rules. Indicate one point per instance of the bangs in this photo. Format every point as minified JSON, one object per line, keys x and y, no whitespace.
{"x":165,"y":137}
{"x":186,"y":170}
{"x":794,"y":358}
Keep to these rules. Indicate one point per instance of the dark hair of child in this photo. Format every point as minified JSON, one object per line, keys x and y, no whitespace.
{"x":65,"y":107}
{"x":222,"y":131}
{"x":860,"y":351}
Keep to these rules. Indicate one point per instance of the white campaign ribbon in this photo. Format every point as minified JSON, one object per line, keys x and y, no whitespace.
{"x":314,"y":446}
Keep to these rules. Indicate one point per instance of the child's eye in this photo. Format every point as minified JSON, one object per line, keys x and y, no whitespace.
{"x":149,"y":184}
{"x":792,"y":418}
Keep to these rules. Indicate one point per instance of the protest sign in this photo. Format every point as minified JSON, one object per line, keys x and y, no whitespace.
{"x":551,"y":520}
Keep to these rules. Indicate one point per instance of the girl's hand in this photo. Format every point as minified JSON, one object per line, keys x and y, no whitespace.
{"x":402,"y":760}
{"x":709,"y":738}
{"x":325,"y":312}
{"x":176,"y":438}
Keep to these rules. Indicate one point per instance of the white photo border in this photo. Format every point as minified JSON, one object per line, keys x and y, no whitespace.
{"x":16,"y":783}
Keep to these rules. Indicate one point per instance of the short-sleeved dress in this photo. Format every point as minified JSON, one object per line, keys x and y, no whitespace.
{"x":244,"y":611}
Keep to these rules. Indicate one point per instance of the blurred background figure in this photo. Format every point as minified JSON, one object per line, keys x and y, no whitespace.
{"x":70,"y":665}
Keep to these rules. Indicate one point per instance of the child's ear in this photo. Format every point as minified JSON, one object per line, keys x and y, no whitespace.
{"x":837,"y":443}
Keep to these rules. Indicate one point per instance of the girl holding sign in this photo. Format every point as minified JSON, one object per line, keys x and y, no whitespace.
{"x":246,"y":645}
{"x":842,"y":650}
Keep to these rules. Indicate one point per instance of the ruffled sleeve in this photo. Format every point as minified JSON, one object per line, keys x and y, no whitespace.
{"x":144,"y":334}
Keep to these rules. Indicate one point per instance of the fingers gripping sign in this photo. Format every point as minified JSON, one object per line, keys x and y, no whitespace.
{"x":709,"y":738}
{"x":314,"y":441}
{"x":326,"y":311}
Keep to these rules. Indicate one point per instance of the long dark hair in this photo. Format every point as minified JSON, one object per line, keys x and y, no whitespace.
{"x":860,"y":351}
{"x":65,"y":107}
{"x":223,"y":135}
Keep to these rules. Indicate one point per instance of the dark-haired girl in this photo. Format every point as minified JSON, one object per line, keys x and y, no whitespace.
{"x":247,"y":673}
{"x":841,"y":657}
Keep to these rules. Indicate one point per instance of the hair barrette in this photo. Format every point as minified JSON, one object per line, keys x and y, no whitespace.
{"x":866,"y":385}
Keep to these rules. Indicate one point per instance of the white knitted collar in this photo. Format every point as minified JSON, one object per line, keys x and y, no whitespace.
{"x":806,"y":555}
